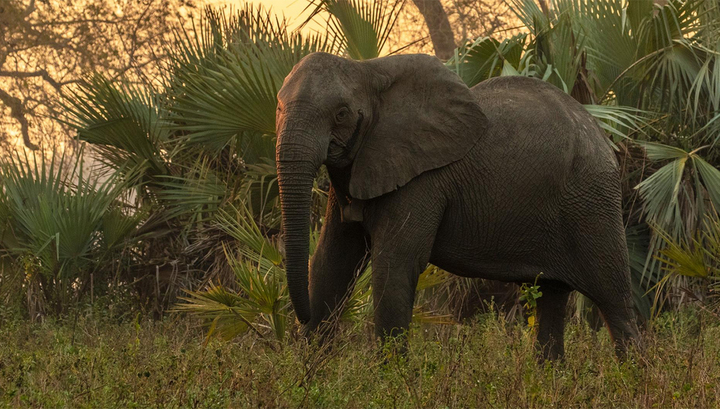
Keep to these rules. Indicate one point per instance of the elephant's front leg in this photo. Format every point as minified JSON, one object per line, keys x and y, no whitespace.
{"x":394,"y":281}
{"x":401,"y":247}
{"x":340,"y":252}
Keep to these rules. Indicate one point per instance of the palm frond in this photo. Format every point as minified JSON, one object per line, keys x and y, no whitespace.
{"x":56,"y":216}
{"x":710,"y":177}
{"x":197,"y":193}
{"x":123,"y":122}
{"x":261,"y":193}
{"x":223,"y":311}
{"x":486,"y":58}
{"x":621,"y":122}
{"x":225,"y":76}
{"x":241,"y":226}
{"x":669,"y":203}
{"x":360,"y":27}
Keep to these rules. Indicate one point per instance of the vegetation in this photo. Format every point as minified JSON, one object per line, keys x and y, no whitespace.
{"x":100,"y":362}
{"x":64,"y":230}
{"x":191,"y":189}
{"x":642,"y":70}
{"x":656,"y":91}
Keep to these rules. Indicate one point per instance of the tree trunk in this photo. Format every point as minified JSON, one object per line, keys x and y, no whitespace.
{"x":439,"y":26}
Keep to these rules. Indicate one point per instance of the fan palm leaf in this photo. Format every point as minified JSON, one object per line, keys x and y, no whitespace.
{"x":123,"y":122}
{"x":224,"y":79}
{"x":668,"y":188}
{"x":360,"y":28}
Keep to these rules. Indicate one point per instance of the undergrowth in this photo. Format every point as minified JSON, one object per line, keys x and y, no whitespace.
{"x":93,"y":361}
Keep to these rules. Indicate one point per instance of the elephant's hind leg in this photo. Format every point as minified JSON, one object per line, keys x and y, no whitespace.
{"x":603,"y":275}
{"x":551,"y":307}
{"x":606,"y":281}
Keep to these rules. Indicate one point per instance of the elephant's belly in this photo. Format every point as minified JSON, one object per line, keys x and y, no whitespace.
{"x":517,"y":249}
{"x":509,"y":271}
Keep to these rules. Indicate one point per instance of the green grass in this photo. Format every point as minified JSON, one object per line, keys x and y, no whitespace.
{"x":98,"y":362}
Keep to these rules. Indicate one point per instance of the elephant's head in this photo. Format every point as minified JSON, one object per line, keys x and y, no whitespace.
{"x":384,"y":120}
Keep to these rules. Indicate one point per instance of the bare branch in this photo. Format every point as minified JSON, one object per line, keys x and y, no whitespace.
{"x":46,"y":45}
{"x":30,"y":9}
{"x":17,"y":111}
{"x":81,"y":21}
{"x":40,"y":73}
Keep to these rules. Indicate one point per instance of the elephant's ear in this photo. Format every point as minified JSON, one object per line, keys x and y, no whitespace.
{"x":426,"y":118}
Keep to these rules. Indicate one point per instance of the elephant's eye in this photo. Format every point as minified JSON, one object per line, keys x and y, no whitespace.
{"x":342,"y":115}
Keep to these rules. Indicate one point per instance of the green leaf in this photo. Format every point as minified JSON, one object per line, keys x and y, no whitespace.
{"x":486,"y":57}
{"x":123,"y":122}
{"x":226,"y":74}
{"x":241,"y":226}
{"x":711,"y":179}
{"x":361,"y":27}
{"x":56,"y":214}
{"x":657,"y":151}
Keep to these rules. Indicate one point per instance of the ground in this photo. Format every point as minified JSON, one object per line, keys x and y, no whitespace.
{"x":93,"y":362}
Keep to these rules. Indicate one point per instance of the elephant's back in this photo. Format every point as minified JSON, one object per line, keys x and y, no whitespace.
{"x":534,"y":117}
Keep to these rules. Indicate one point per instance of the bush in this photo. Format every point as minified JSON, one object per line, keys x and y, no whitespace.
{"x":62,"y":229}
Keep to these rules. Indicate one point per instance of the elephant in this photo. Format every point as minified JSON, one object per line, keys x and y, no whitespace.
{"x":509,"y":180}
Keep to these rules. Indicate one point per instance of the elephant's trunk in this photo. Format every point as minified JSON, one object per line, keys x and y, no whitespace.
{"x":298,"y":161}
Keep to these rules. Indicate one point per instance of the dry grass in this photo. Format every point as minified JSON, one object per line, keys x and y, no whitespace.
{"x":96,"y":362}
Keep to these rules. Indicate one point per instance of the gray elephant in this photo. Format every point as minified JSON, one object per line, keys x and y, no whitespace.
{"x":504,"y":181}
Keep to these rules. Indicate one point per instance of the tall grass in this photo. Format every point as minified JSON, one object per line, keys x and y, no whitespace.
{"x":490,"y":363}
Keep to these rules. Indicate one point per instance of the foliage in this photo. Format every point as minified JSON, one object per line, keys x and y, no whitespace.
{"x":123,"y":122}
{"x":226,"y":72}
{"x":203,"y":145}
{"x":529,"y":294}
{"x":60,"y":228}
{"x":665,"y":189}
{"x":190,"y":155}
{"x":362,"y":28}
{"x":262,"y":288}
{"x":698,"y":258}
{"x":193,"y":167}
